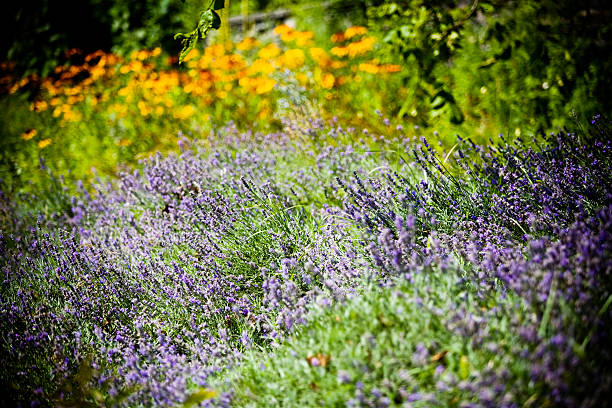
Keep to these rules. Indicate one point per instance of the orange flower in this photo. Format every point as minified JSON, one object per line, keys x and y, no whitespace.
{"x":369,"y":67}
{"x":391,"y":68}
{"x":260,"y":66}
{"x":142,"y":55}
{"x":302,"y":78}
{"x":264,"y":85}
{"x":282,"y":29}
{"x":304,"y":38}
{"x":29,"y":134}
{"x":39,"y":106}
{"x":192,"y":55}
{"x":44,"y":143}
{"x":339,"y":51}
{"x":214,"y":51}
{"x":144,"y":109}
{"x":327,"y":80}
{"x":185,"y":112}
{"x":293,"y":58}
{"x":355,"y":31}
{"x":269,"y":52}
{"x":338,"y":37}
{"x":320,"y":57}
{"x":361,"y":47}
{"x":247,"y":44}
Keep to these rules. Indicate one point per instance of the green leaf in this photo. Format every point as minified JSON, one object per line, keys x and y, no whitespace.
{"x":406,"y":31}
{"x":487,"y":8}
{"x":199,"y":396}
{"x":438,"y":102}
{"x":216,"y":22}
{"x":188,"y":41}
{"x":464,"y":367}
{"x":208,"y":19}
{"x":440,"y":99}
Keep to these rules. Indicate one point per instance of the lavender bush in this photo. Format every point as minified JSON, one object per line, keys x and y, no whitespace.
{"x":318,"y":265}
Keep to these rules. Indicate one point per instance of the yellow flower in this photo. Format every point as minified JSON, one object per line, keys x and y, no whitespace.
{"x":268,"y":52}
{"x":71,"y":116}
{"x":145,"y":110}
{"x":23,"y":82}
{"x":125,"y":142}
{"x":119,"y":108}
{"x":389,"y":68}
{"x":224,"y":63}
{"x":214,"y":51}
{"x":338,"y":37}
{"x":75,"y":90}
{"x":44,"y":143}
{"x":246,"y":83}
{"x":264,"y":85}
{"x":282,"y":29}
{"x":29,"y":134}
{"x":142,"y":55}
{"x":361,"y":47}
{"x":156,"y":52}
{"x":247,"y":44}
{"x":55,"y":101}
{"x":264,"y":113}
{"x":355,"y":31}
{"x":184,"y":112}
{"x":327,"y":80}
{"x":339,"y":51}
{"x":136,"y":66}
{"x":125,"y":91}
{"x":304,"y":38}
{"x":302,"y":78}
{"x":260,"y":66}
{"x":39,"y":106}
{"x":190,"y":88}
{"x":72,"y":100}
{"x":320,"y":57}
{"x":293,"y":58}
{"x":369,"y":67}
{"x":289,"y":36}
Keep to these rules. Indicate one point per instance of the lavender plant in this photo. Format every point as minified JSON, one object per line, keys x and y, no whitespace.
{"x":319,"y":265}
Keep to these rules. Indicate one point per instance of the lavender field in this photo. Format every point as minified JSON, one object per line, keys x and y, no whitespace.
{"x":320,"y":266}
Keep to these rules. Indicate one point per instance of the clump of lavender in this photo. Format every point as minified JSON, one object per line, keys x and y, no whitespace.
{"x":519,"y":221}
{"x":203,"y":254}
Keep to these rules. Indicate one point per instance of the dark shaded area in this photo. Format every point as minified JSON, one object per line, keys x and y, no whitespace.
{"x":36,"y":33}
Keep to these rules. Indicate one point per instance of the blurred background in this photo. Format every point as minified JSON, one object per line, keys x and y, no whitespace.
{"x":90,"y":87}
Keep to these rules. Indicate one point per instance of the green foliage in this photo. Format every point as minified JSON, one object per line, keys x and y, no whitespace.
{"x":369,"y":342}
{"x":515,"y":62}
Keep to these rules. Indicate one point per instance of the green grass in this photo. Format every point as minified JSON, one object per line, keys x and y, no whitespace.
{"x":369,"y":343}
